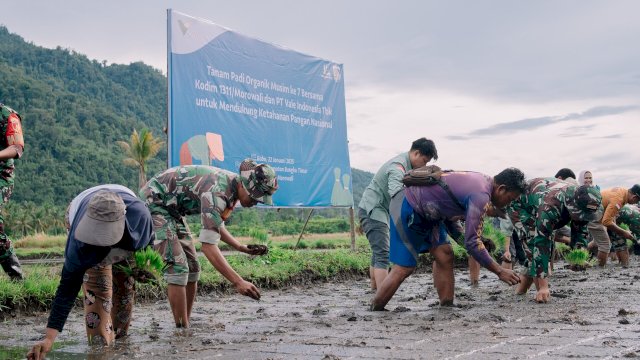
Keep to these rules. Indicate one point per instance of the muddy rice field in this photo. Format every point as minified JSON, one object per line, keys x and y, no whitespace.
{"x":592,"y":314}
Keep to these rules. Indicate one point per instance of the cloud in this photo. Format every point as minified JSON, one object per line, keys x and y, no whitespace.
{"x":356,"y":148}
{"x":539,"y":122}
{"x":576,"y":131}
{"x":613,"y":136}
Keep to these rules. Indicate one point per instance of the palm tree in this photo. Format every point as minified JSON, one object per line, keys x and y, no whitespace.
{"x":140,"y":148}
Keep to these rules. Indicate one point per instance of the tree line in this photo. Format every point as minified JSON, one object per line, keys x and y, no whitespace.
{"x":79,"y":116}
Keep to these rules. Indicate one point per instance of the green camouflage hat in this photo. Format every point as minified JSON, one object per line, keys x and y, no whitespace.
{"x":584,"y":203}
{"x":259,"y":180}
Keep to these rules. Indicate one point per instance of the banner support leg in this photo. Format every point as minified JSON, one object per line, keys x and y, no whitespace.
{"x":353,"y":229}
{"x":303,"y":228}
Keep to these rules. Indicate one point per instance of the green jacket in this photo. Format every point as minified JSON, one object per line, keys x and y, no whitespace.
{"x":385,"y":183}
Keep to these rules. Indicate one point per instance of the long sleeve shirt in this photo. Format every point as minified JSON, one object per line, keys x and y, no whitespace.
{"x":473,"y":192}
{"x":540,"y":210}
{"x":385,"y":184}
{"x":613,"y":200}
{"x":79,"y":257}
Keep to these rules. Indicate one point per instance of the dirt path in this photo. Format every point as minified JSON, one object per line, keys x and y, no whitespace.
{"x":331,"y":321}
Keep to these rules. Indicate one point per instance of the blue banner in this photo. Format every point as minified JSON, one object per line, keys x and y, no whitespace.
{"x":232,"y":97}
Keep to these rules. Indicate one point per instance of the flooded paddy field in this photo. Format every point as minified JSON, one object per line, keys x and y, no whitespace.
{"x":591,"y":315}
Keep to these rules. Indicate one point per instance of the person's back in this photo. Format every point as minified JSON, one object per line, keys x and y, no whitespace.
{"x":524,"y":209}
{"x":613,"y":199}
{"x":472,"y":193}
{"x":213,"y":193}
{"x":377,"y":195}
{"x":630,"y":215}
{"x":471,"y":190}
{"x":181,"y":188}
{"x":419,"y":216}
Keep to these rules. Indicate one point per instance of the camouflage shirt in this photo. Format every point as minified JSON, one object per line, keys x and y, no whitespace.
{"x":10,"y":136}
{"x":540,"y":210}
{"x":629,"y":215}
{"x":195,"y":189}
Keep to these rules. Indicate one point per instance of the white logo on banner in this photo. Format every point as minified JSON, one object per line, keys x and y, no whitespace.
{"x":331,"y":71}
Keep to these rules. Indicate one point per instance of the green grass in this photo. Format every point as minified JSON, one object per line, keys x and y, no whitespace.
{"x":45,"y":246}
{"x":37,"y":290}
{"x":39,"y":253}
{"x":280,"y":267}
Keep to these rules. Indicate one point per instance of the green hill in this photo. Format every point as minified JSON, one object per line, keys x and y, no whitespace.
{"x":74,"y":110}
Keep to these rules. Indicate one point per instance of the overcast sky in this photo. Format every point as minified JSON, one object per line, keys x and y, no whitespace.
{"x":537,"y":85}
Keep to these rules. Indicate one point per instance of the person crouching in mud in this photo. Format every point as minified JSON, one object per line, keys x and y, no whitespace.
{"x":213,"y":193}
{"x":417,"y":225}
{"x":106,"y":224}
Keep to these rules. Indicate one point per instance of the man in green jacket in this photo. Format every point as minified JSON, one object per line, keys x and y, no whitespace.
{"x":373,"y":210}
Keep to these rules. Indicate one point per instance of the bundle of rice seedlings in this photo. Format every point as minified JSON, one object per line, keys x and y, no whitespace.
{"x":577,"y":258}
{"x":147,"y":266}
{"x":562,"y":250}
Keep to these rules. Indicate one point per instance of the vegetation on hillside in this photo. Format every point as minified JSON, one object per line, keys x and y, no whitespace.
{"x":75,"y":110}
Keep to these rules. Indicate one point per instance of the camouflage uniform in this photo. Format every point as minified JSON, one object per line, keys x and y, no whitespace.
{"x":547,"y":205}
{"x":630,"y":215}
{"x":10,"y":136}
{"x":198,"y":189}
{"x":181,"y":191}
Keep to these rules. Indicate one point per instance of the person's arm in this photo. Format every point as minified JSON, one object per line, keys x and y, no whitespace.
{"x":215,"y":257}
{"x":506,"y":228}
{"x":610,"y":215}
{"x":613,"y":227}
{"x":15,"y":140}
{"x":9,"y":153}
{"x":477,"y":206}
{"x":395,"y":174}
{"x":70,"y":284}
{"x":39,"y":350}
{"x":507,"y":251}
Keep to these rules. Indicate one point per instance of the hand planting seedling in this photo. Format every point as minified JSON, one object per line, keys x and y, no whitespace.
{"x":147,"y":266}
{"x":256,"y":249}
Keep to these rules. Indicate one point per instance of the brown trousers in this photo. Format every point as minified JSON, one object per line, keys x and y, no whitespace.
{"x":108,"y":301}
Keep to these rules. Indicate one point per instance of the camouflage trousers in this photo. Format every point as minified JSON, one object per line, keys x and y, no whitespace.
{"x":618,"y":243}
{"x":6,"y":189}
{"x":109,"y":295}
{"x":176,"y":245}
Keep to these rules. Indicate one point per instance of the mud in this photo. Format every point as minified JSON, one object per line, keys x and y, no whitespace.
{"x":592,"y":314}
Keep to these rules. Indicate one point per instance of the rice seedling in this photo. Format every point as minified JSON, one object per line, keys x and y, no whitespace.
{"x":578,"y":259}
{"x":147,"y":266}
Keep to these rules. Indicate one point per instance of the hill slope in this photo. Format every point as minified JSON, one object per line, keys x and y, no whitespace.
{"x":74,"y":110}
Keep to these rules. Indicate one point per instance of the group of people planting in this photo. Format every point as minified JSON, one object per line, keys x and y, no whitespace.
{"x":107,"y":224}
{"x":409,"y":208}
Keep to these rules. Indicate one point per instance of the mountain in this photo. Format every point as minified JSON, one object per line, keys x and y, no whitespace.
{"x":74,"y":110}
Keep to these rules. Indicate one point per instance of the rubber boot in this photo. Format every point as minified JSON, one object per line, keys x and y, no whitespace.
{"x":11,"y":265}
